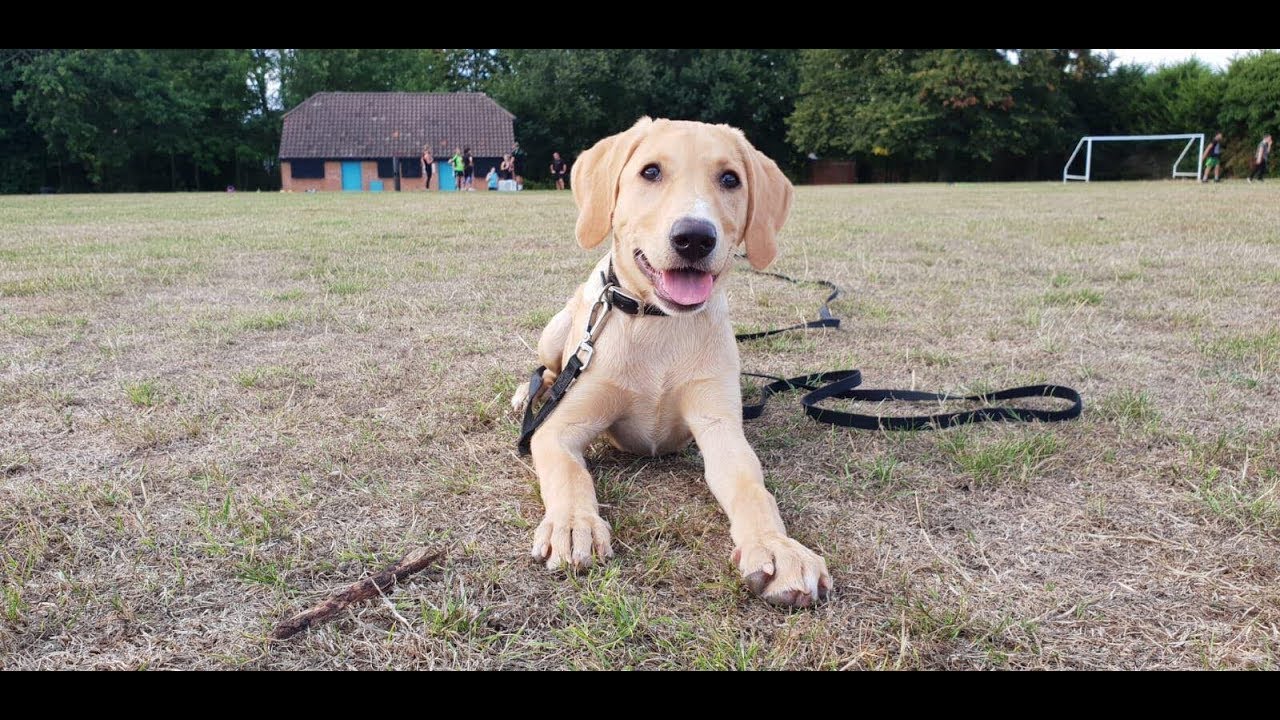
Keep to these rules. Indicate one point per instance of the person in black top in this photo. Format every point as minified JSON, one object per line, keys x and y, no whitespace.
{"x":558,"y":169}
{"x":428,"y":164}
{"x":517,"y":166}
{"x":1260,"y":159}
{"x":468,"y":170}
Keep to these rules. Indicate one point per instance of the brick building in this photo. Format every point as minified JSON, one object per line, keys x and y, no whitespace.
{"x":361,"y":141}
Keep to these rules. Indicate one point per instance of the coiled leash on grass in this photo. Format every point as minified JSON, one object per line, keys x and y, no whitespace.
{"x":840,"y":384}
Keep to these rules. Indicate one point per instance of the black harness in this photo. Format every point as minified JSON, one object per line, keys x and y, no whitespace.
{"x":841,"y":384}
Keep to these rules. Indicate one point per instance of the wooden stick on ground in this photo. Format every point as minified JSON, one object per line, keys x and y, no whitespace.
{"x":370,"y":587}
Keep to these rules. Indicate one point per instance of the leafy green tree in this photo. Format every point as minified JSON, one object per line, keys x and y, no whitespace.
{"x":127,"y":116}
{"x":1180,"y":98}
{"x":304,"y":73}
{"x":1250,"y":105}
{"x":23,"y":157}
{"x":952,"y":109}
{"x":471,"y":70}
{"x":566,"y":100}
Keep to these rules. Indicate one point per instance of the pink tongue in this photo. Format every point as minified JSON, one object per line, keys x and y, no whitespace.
{"x":687,"y":287}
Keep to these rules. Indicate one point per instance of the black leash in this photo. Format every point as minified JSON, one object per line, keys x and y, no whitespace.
{"x":825,"y":318}
{"x":839,"y":384}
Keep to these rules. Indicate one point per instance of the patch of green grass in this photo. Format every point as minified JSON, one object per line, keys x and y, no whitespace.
{"x":787,"y":342}
{"x":879,"y":473}
{"x":31,"y":326}
{"x":288,"y":295}
{"x":1072,"y":298}
{"x":618,"y":617}
{"x":1128,"y":408}
{"x":264,"y":321}
{"x":13,"y":462}
{"x":492,"y":407}
{"x":346,"y":287}
{"x":143,"y":393}
{"x":864,"y":309}
{"x":536,"y":319}
{"x":931,"y":358}
{"x":262,"y":572}
{"x":455,"y":618}
{"x":13,"y":605}
{"x":53,"y":283}
{"x":1005,"y":460}
{"x":273,"y":376}
{"x":1249,"y":501}
{"x":1258,"y":351}
{"x":726,"y":650}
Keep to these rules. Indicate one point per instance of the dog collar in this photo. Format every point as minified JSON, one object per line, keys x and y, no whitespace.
{"x":618,"y":298}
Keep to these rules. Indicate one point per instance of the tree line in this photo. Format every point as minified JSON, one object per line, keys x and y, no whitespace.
{"x":155,"y":120}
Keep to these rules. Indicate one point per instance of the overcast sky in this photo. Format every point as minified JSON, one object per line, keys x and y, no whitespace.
{"x":1217,"y":58}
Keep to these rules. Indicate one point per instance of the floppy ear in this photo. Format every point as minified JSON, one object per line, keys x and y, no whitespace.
{"x":769,"y":194}
{"x":594,"y":180}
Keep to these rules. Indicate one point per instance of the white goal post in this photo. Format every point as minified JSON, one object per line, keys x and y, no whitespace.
{"x":1087,"y":143}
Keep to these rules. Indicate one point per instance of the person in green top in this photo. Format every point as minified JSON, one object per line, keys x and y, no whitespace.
{"x":456,"y":163}
{"x":1213,"y":159}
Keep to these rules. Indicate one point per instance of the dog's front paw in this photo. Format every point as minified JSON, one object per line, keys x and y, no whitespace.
{"x":570,"y":539}
{"x":782,"y":571}
{"x":520,"y":399}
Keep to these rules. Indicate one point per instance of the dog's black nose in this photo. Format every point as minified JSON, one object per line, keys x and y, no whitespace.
{"x":693,"y":238}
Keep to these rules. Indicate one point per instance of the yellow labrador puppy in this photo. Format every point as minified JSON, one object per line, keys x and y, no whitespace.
{"x":676,"y":197}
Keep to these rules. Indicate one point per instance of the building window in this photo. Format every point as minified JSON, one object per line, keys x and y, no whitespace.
{"x":411,"y":167}
{"x":306,"y":169}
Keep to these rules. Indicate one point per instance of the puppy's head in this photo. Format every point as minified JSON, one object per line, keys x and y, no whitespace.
{"x":677,"y":197}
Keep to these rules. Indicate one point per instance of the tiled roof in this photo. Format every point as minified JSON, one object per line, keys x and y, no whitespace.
{"x":385,"y":124}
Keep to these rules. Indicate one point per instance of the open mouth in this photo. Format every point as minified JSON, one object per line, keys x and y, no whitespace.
{"x":685,"y":288}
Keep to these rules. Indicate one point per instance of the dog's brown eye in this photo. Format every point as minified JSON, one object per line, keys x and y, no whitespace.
{"x":730,"y":180}
{"x":651,"y":172}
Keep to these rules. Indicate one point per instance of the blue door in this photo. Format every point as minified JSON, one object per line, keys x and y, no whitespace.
{"x":351,"y":176}
{"x":448,"y":181}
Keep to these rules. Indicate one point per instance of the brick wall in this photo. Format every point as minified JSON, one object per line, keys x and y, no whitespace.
{"x":332,"y":181}
{"x":833,"y":172}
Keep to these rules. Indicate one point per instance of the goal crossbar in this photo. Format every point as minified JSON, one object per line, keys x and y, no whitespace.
{"x":1087,"y":143}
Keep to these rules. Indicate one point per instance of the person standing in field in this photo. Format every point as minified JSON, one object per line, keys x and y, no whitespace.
{"x":558,"y":169}
{"x":428,"y":165}
{"x":1213,"y":159}
{"x":468,"y":170}
{"x":517,"y":166}
{"x":492,"y":178}
{"x":456,"y":163}
{"x":1260,"y":158}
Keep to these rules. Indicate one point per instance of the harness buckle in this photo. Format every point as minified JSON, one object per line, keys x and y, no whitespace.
{"x":586,"y":347}
{"x":594,"y":322}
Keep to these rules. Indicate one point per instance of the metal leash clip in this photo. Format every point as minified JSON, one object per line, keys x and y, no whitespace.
{"x":586,"y":346}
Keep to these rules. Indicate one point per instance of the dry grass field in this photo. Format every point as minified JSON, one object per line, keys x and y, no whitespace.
{"x":215,"y":409}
